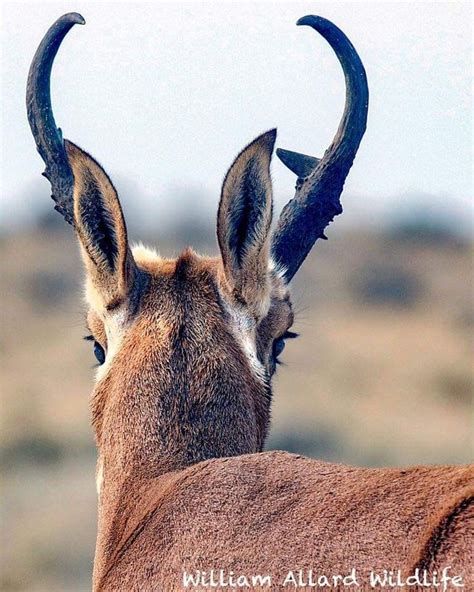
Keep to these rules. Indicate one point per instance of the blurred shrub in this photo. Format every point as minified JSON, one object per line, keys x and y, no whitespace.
{"x":465,"y":320}
{"x":320,"y":443}
{"x":455,"y":387}
{"x":34,"y":449}
{"x":39,"y":449}
{"x":382,"y":285}
{"x":49,"y":288}
{"x":426,"y":228}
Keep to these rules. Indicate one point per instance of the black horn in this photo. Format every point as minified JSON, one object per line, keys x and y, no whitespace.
{"x":320,"y":182}
{"x":48,"y":137}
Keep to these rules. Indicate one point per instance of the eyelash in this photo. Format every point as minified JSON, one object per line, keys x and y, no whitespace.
{"x":281,"y":341}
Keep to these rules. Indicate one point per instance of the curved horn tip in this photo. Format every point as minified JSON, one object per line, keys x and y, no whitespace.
{"x":73,"y":17}
{"x":311,"y":20}
{"x":318,"y":23}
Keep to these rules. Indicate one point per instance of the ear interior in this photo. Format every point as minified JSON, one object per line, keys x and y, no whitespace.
{"x":244,"y":220}
{"x":100,"y":227}
{"x":97,"y":224}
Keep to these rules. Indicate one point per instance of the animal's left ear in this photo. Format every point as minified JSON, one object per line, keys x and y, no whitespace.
{"x":243,"y":224}
{"x":100,"y":227}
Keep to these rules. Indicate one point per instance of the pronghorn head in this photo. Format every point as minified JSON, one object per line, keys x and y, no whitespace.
{"x":188,"y":347}
{"x":181,"y":340}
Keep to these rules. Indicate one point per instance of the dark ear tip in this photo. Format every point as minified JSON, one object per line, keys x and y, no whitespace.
{"x":268,"y":139}
{"x":70,"y":147}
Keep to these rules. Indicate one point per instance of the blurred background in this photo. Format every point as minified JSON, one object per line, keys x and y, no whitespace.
{"x":166,"y":95}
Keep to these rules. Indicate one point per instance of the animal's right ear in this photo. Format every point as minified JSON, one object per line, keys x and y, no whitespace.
{"x":100,"y":227}
{"x":243,"y":224}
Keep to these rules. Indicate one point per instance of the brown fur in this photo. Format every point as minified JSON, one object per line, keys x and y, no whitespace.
{"x":274,"y":512}
{"x":181,"y":410}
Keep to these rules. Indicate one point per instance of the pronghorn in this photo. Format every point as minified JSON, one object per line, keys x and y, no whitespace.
{"x":181,"y":405}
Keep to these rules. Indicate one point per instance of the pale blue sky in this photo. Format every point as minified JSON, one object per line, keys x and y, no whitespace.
{"x":165,"y":95}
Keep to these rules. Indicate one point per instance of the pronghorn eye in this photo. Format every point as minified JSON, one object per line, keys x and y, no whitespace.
{"x":278,"y":347}
{"x":279,"y":344}
{"x":99,"y":352}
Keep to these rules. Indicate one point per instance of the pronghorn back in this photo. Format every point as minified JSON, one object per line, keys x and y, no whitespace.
{"x":277,"y":513}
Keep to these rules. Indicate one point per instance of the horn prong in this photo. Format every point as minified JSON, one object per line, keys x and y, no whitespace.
{"x":300,"y":164}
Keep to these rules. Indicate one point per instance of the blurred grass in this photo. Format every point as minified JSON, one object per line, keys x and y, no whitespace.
{"x":381,"y":375}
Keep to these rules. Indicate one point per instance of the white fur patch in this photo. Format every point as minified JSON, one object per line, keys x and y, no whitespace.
{"x":144,"y":254}
{"x":244,"y":330}
{"x":277,"y":268}
{"x":99,"y":476}
{"x":249,"y":347}
{"x":114,"y":323}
